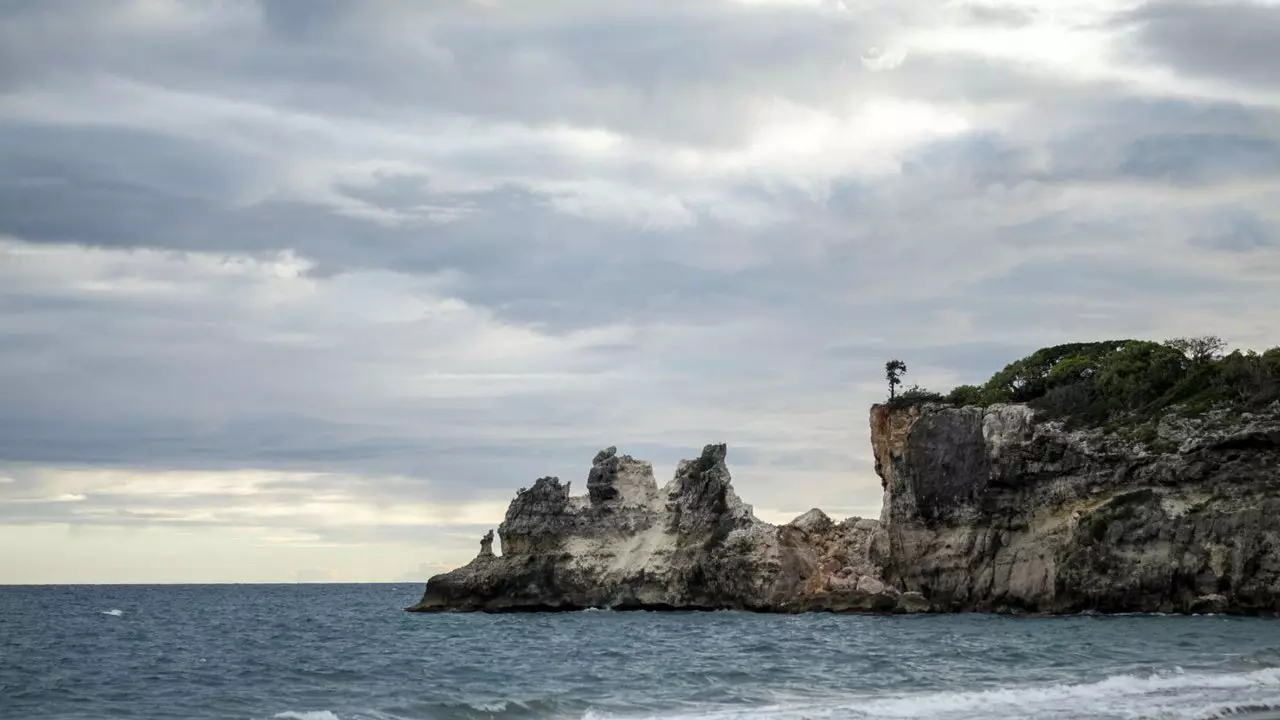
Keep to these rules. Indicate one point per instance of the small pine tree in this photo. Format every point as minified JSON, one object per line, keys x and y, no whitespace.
{"x":893,"y":372}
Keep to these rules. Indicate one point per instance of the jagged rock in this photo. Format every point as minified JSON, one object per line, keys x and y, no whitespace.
{"x":693,"y":545}
{"x":486,"y":545}
{"x":812,"y":522}
{"x":620,"y":479}
{"x":538,"y":520}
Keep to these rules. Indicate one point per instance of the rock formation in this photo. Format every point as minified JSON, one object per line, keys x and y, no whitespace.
{"x":988,"y":509}
{"x":692,"y":545}
{"x":985,"y":509}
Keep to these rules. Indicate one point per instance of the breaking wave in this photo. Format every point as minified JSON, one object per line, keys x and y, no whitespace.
{"x":476,"y":710}
{"x":1166,"y":696}
{"x":1163,"y":696}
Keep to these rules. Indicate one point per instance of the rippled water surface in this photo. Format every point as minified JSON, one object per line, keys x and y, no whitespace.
{"x":319,"y":652}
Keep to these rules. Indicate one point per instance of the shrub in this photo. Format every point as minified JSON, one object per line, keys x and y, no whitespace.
{"x":963,"y":395}
{"x":1077,"y":404}
{"x":915,"y":395}
{"x":1028,"y":378}
{"x":1123,"y":383}
{"x":1247,"y":379}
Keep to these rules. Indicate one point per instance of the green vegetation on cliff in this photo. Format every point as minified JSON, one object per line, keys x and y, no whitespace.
{"x":1123,"y":381}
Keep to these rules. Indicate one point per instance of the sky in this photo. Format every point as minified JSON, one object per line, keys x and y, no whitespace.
{"x":305,"y":290}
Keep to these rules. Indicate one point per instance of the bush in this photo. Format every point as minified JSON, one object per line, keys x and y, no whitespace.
{"x":915,"y":395}
{"x":1077,"y":404}
{"x":1027,"y":379}
{"x":963,"y":395}
{"x":1247,"y":379}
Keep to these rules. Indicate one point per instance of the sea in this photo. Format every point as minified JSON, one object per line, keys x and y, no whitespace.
{"x":349,"y":652}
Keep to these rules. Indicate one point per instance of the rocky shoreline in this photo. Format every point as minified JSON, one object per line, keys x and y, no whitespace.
{"x":985,"y":509}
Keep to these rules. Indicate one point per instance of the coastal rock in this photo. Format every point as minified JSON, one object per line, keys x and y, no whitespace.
{"x":985,"y":509}
{"x":692,"y":545}
{"x":990,"y":510}
{"x":914,"y":602}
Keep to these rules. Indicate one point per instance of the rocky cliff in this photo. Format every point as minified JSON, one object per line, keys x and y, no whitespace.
{"x":987,"y":509}
{"x":984,"y":509}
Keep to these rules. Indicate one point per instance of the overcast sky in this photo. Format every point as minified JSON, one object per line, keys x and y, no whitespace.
{"x":306,"y":289}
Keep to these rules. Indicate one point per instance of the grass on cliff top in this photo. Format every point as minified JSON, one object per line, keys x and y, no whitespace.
{"x":1123,"y":383}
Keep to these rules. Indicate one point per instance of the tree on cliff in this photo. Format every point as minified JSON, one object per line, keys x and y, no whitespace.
{"x":893,"y":372}
{"x":1199,"y":350}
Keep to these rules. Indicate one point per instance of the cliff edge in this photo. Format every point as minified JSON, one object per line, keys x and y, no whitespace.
{"x":989,"y":509}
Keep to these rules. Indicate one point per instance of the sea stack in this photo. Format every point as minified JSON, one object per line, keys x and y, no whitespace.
{"x":693,"y":545}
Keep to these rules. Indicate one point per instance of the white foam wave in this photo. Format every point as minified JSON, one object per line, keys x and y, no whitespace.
{"x":1166,"y":696}
{"x":113,"y":612}
{"x":306,"y":715}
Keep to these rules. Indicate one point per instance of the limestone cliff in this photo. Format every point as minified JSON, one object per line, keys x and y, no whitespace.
{"x":988,"y":509}
{"x":692,"y":545}
{"x":985,"y":509}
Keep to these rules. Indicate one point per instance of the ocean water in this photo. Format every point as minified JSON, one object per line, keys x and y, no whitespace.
{"x":320,"y":652}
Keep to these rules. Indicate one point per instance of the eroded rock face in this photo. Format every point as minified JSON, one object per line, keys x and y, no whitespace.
{"x":621,"y":480}
{"x":987,"y":509}
{"x":692,"y":545}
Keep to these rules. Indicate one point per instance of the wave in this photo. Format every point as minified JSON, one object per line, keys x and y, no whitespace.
{"x":474,"y":710}
{"x":1165,"y":696}
{"x":501,"y":709}
{"x":113,"y":612}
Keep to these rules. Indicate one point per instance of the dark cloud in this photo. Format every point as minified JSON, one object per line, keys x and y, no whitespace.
{"x":1229,"y":41}
{"x":1200,"y":158}
{"x":643,"y":70}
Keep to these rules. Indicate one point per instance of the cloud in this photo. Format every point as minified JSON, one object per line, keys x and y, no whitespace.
{"x":328,"y":281}
{"x":1228,"y":42}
